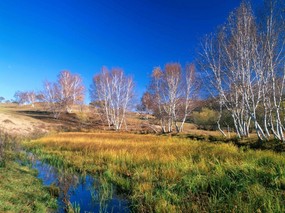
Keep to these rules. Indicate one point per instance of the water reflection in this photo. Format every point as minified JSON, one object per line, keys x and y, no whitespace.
{"x":82,"y":193}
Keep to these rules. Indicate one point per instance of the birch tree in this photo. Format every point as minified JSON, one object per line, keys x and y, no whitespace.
{"x":51,"y":98}
{"x":19,"y":97}
{"x":173,"y":90}
{"x":28,"y":97}
{"x":113,"y":92}
{"x":71,"y":90}
{"x":60,"y":96}
{"x":273,"y":40}
{"x":225,"y":64}
{"x":244,"y":63}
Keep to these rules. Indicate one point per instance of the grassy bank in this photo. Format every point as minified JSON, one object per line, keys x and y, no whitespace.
{"x":171,"y":174}
{"x":21,"y":191}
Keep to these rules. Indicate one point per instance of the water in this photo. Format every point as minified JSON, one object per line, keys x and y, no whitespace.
{"x":84,"y":192}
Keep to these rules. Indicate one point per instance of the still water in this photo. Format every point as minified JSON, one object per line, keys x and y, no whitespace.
{"x":83,"y":192}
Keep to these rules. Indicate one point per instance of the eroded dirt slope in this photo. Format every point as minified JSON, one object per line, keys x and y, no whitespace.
{"x":15,"y":123}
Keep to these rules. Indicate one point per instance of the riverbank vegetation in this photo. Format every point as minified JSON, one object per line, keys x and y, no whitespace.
{"x":20,"y":190}
{"x":163,"y":173}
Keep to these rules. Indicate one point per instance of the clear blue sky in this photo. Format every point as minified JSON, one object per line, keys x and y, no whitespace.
{"x":40,"y":38}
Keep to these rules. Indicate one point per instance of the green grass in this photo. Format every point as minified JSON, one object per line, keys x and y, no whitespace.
{"x":21,"y":191}
{"x":172,"y":174}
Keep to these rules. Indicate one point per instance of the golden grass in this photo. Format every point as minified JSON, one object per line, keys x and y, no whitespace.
{"x":164,"y":173}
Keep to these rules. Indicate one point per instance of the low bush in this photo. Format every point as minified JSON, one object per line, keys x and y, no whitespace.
{"x":8,"y":143}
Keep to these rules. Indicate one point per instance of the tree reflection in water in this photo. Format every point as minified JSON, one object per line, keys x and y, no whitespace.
{"x":79,"y":192}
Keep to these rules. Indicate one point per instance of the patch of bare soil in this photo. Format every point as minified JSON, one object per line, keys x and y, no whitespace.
{"x":17,"y":124}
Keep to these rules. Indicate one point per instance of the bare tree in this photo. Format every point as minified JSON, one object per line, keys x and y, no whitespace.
{"x":28,"y":97}
{"x":71,"y":90}
{"x":273,"y":40}
{"x":146,"y":104}
{"x":51,"y":98}
{"x":172,"y":91}
{"x":62,"y":95}
{"x":228,"y":58}
{"x":187,"y":103}
{"x":244,"y":63}
{"x":31,"y":98}
{"x":112,"y":91}
{"x":19,"y":97}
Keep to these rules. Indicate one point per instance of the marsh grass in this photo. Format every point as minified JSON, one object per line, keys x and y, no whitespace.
{"x":9,"y":144}
{"x":172,"y":174}
{"x":21,"y":191}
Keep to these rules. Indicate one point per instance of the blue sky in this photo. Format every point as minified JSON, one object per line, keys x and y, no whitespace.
{"x":38,"y":39}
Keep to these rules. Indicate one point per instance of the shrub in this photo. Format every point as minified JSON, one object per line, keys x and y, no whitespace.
{"x":7,"y":143}
{"x":206,"y":119}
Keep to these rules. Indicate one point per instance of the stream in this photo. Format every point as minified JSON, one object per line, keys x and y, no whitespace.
{"x":83,"y":192}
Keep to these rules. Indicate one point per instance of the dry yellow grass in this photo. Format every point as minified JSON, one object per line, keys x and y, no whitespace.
{"x":172,"y":174}
{"x":116,"y":145}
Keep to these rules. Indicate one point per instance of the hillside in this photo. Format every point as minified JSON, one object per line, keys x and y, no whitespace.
{"x":24,"y":120}
{"x":14,"y":121}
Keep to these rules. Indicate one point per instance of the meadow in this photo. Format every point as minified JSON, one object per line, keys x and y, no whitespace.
{"x":171,"y":173}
